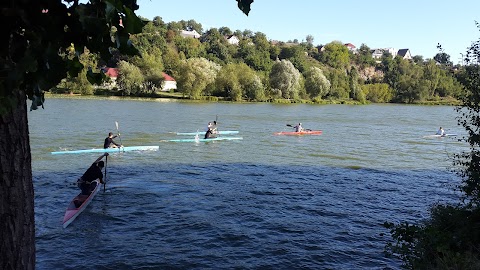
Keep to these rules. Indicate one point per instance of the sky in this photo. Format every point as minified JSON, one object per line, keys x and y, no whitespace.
{"x":416,"y":25}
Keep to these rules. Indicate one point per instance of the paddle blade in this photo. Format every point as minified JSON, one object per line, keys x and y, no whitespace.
{"x":116,"y":124}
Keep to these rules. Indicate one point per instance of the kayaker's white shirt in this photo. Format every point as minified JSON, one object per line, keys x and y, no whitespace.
{"x":441,"y":132}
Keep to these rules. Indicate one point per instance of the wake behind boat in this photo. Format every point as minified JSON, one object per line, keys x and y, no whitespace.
{"x":108,"y":150}
{"x":78,"y":204}
{"x":299,"y":133}
{"x":206,"y":140}
{"x":221,"y":132}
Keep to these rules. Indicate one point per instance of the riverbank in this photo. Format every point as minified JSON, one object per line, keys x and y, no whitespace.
{"x":173,"y":97}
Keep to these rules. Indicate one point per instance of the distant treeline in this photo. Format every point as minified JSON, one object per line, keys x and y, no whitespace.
{"x":256,"y":69}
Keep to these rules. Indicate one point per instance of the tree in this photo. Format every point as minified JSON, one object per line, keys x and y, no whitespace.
{"x":309,"y":39}
{"x":33,"y":32}
{"x":195,"y":75}
{"x":238,"y":81}
{"x":449,"y":238}
{"x":443,"y":58}
{"x":316,"y":84}
{"x":335,"y":55}
{"x":130,"y":78}
{"x":285,"y":79}
{"x":296,"y":55}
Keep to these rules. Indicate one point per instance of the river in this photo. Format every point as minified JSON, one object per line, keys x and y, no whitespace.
{"x":264,"y":202}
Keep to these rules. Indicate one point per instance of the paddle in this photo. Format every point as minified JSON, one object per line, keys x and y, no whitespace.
{"x":116,"y":124}
{"x":105,"y":180}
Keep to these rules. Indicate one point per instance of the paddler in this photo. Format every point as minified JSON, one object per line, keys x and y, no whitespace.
{"x":210,"y":130}
{"x":298,"y":128}
{"x":92,"y":173}
{"x":109,"y":143}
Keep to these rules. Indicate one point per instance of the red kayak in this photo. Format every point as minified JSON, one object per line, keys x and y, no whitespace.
{"x":294,"y":133}
{"x":78,"y":204}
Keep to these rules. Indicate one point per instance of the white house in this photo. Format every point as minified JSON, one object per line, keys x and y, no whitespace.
{"x":232,"y":39}
{"x":377,"y":53}
{"x":351,"y":47}
{"x":168,"y":83}
{"x":405,"y":53}
{"x":189,"y":34}
{"x":112,"y":73}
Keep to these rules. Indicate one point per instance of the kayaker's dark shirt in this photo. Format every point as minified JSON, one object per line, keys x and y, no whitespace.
{"x":109,"y":141}
{"x":94,"y":172}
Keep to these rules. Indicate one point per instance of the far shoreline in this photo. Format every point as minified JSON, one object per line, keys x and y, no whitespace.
{"x":176,"y":98}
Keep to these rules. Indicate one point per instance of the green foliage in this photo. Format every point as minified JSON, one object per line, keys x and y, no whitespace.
{"x":130,"y":78}
{"x":285,"y":80}
{"x":339,"y":84}
{"x":191,"y":47}
{"x":450,"y":237}
{"x":238,"y":82}
{"x":31,"y":56}
{"x":296,"y":55}
{"x":196,"y":76}
{"x":378,"y":92}
{"x":335,"y":55}
{"x":316,"y":84}
{"x":363,"y":57}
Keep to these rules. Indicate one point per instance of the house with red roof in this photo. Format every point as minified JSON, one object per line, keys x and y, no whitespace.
{"x":169,"y":83}
{"x":351,"y":47}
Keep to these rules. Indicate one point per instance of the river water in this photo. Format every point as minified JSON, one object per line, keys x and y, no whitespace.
{"x":264,"y":202}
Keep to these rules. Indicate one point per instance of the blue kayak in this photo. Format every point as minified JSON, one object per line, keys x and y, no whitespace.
{"x":221,"y":132}
{"x":206,"y":140}
{"x":109,"y":150}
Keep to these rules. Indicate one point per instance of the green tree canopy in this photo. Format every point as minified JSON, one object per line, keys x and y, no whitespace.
{"x":316,"y":84}
{"x":285,"y":80}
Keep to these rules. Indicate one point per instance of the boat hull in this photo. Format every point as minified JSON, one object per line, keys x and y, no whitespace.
{"x":207,"y":140}
{"x":221,"y":132}
{"x":294,"y":133}
{"x":440,"y":136}
{"x":73,"y":211}
{"x":109,"y":150}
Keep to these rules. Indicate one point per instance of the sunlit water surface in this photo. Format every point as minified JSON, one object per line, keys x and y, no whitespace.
{"x":264,"y":202}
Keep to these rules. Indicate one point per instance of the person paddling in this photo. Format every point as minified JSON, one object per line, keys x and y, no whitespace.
{"x":209,"y":134}
{"x":86,"y":182}
{"x":440,"y":132}
{"x":109,"y":143}
{"x":299,"y":128}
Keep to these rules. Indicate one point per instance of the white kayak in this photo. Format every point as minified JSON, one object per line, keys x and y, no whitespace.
{"x":206,"y":140}
{"x":440,"y":136}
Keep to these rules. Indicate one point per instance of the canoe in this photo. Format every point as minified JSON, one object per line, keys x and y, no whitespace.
{"x":440,"y":136}
{"x":221,"y":132}
{"x":73,"y":211}
{"x":293,"y":133}
{"x":109,"y":150}
{"x":207,"y":140}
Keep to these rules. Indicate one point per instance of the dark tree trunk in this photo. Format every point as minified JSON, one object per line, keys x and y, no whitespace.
{"x":17,"y":224}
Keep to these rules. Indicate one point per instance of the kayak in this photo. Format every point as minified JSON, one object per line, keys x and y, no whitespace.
{"x":74,"y":210}
{"x":207,"y":140}
{"x":221,"y":132}
{"x":440,"y":136}
{"x":294,"y":133}
{"x":109,"y":150}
